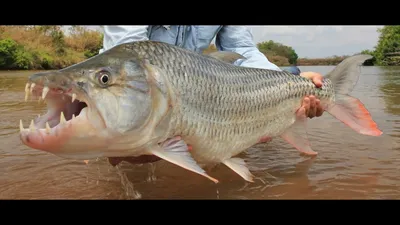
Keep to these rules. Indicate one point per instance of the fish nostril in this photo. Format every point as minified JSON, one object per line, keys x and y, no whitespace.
{"x":80,"y":83}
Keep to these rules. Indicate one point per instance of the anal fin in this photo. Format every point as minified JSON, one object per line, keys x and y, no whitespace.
{"x":296,"y":135}
{"x":176,"y":151}
{"x":238,"y":165}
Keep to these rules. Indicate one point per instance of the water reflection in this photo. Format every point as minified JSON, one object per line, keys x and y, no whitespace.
{"x":390,"y":87}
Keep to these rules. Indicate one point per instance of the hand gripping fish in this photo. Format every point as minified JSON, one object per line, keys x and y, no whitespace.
{"x":152,"y":98}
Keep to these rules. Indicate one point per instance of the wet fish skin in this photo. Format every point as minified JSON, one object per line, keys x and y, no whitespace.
{"x":182,"y":98}
{"x":217,"y":105}
{"x":221,"y":109}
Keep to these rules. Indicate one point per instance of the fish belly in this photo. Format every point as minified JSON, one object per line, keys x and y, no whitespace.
{"x":214,"y":142}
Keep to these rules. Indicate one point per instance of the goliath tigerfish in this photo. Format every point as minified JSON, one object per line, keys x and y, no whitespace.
{"x":156,"y":99}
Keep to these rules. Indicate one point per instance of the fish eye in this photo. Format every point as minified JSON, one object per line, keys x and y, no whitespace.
{"x":103,"y":77}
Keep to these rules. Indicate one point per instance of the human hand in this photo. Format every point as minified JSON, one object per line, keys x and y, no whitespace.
{"x":311,"y":106}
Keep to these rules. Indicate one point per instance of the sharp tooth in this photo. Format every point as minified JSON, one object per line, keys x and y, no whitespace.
{"x":27,"y":87}
{"x":32,"y":86}
{"x":26,"y":95}
{"x":73,"y":97}
{"x":32,"y":126}
{"x":73,"y":116}
{"x":26,"y":91}
{"x":47,"y":127}
{"x":45,"y":91}
{"x":62,"y":118}
{"x":21,"y":126}
{"x":38,"y":115}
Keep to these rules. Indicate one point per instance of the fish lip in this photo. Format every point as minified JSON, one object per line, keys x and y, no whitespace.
{"x":62,"y":95}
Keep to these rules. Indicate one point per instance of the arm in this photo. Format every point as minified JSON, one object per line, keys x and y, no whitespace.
{"x":116,"y":35}
{"x":239,"y":39}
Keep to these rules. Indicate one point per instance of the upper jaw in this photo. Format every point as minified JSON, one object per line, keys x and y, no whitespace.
{"x":65,"y":100}
{"x":52,"y":84}
{"x":70,"y":118}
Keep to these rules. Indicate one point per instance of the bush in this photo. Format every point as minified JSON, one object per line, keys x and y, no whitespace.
{"x":7,"y":52}
{"x":23,"y":59}
{"x":389,"y":42}
{"x":14,"y":56}
{"x":46,"y":47}
{"x":271,"y":48}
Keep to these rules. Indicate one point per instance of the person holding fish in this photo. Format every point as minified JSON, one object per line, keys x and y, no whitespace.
{"x":151,"y":94}
{"x":237,"y":39}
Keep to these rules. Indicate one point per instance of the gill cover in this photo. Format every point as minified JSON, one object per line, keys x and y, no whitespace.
{"x":120,"y":93}
{"x":161,"y":96}
{"x":156,"y":108}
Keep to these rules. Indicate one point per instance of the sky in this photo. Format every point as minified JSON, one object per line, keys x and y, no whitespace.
{"x":320,"y":41}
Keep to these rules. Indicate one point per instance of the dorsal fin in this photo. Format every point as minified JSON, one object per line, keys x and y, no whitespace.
{"x":225,"y":56}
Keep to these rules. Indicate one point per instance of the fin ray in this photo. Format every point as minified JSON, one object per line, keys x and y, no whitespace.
{"x":297,"y":136}
{"x":175,"y":150}
{"x":353,"y":113}
{"x":238,"y":165}
{"x":345,"y":75}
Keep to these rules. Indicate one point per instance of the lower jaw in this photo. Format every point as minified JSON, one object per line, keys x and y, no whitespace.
{"x":68,"y":136}
{"x":77,"y":139}
{"x":47,"y":140}
{"x":65,"y":144}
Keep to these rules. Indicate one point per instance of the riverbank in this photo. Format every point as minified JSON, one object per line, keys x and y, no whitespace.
{"x":46,"y":47}
{"x":330,"y":61}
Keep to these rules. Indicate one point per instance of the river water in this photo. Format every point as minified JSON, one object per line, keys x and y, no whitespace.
{"x":349,"y":165}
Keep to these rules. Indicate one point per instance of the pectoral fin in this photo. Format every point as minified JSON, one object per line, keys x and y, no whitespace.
{"x":296,"y":135}
{"x":239,"y":166}
{"x":175,"y":150}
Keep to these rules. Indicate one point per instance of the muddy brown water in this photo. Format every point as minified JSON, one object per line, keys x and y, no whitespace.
{"x":349,"y":165}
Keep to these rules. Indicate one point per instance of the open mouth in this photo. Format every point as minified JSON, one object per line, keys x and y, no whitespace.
{"x":64,"y":108}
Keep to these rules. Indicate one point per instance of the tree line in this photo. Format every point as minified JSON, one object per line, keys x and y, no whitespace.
{"x":51,"y":47}
{"x":387,"y":50}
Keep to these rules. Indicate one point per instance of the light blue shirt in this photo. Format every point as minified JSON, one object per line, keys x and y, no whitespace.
{"x":237,"y":39}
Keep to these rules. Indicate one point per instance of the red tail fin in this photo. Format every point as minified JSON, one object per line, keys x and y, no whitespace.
{"x":352,"y":112}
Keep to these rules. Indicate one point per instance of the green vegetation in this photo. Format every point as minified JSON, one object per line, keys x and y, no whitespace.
{"x":387,"y":51}
{"x":50,"y":47}
{"x":273,"y":49}
{"x":46,"y":47}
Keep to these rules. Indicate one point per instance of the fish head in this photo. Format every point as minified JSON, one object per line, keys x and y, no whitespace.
{"x":91,"y":105}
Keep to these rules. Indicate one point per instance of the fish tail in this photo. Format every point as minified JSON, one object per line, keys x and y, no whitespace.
{"x":350,"y":110}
